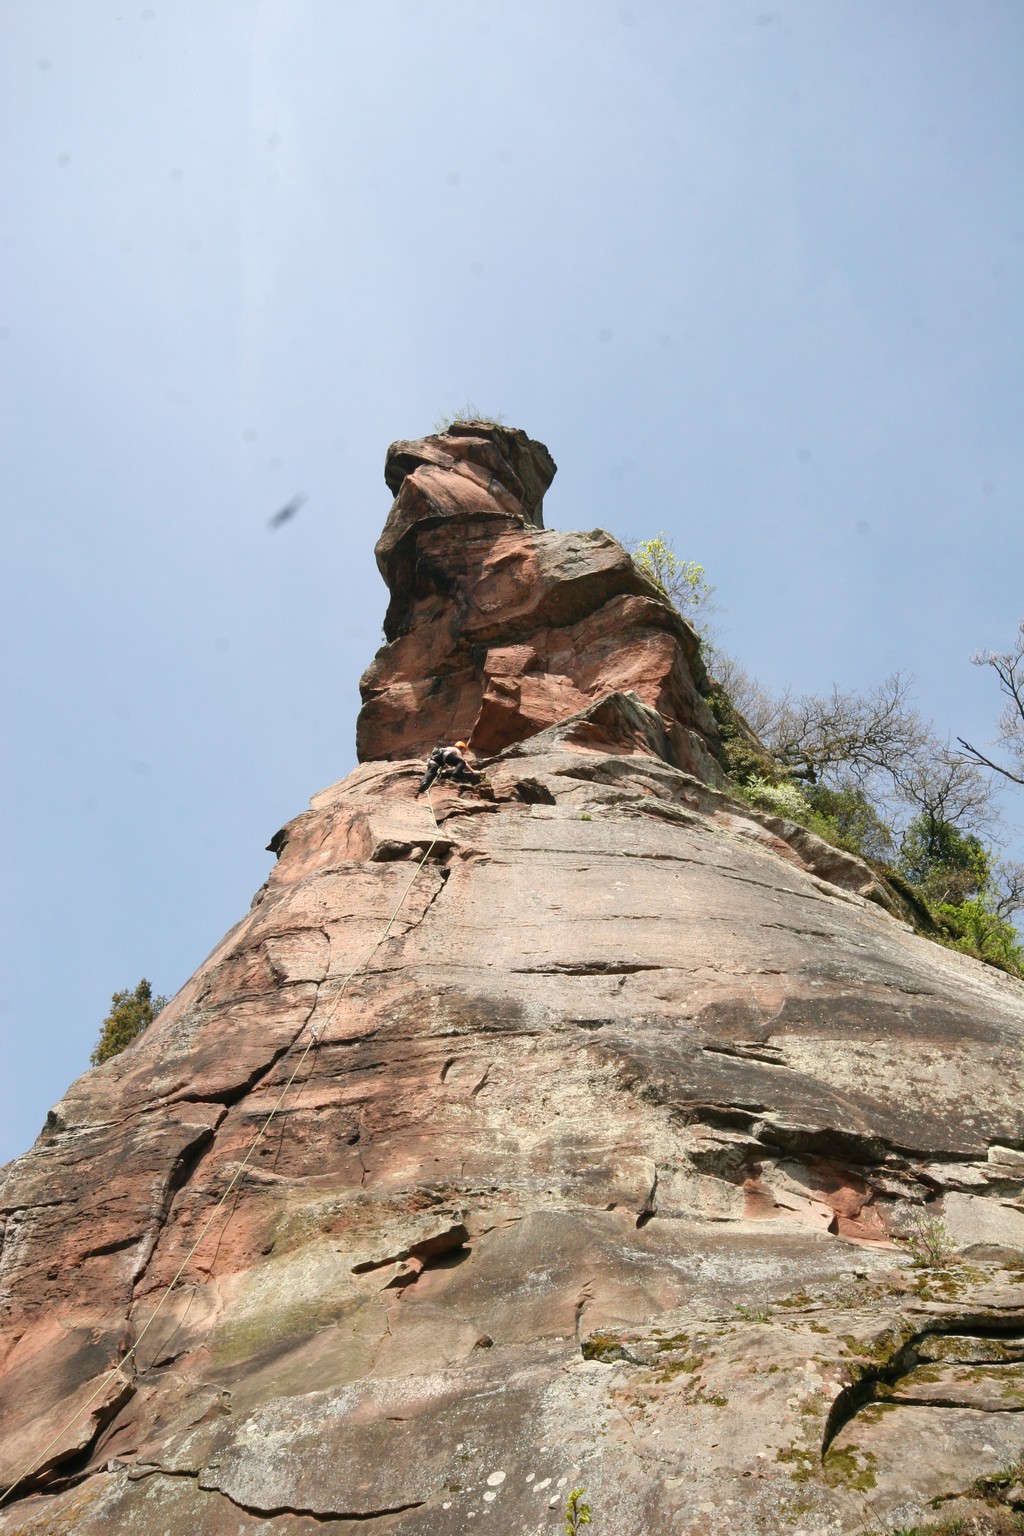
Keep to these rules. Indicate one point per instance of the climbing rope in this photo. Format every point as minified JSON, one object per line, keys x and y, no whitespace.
{"x":316,"y":1038}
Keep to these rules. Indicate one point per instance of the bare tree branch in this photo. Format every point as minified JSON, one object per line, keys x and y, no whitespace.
{"x":1009,"y":890}
{"x":973,"y":755}
{"x":945,"y":788}
{"x":849,"y":735}
{"x":1009,"y":669}
{"x":759,"y":708}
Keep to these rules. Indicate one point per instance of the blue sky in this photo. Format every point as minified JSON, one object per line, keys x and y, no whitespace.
{"x":752,"y":272}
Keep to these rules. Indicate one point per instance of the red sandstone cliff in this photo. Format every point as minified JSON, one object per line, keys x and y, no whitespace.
{"x":498,"y":627}
{"x":592,"y":1174}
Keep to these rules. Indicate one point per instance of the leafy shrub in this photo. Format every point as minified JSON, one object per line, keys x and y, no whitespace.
{"x":744,"y":757}
{"x":131,"y":1013}
{"x":853,"y":822}
{"x":929,"y":1243}
{"x":785,"y":799}
{"x":972,"y":929}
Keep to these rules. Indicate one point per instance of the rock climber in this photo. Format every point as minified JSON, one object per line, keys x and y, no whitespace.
{"x":449,"y":763}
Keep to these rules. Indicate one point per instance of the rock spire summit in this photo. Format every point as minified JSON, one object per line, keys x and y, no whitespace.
{"x":498,"y":628}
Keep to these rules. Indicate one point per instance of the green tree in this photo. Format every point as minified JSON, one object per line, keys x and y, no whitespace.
{"x":855,"y":822}
{"x":130,"y":1014}
{"x":946,"y":864}
{"x":682,"y":581}
{"x":976,"y":930}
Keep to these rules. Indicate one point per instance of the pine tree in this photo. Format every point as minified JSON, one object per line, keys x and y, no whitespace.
{"x":130,"y":1014}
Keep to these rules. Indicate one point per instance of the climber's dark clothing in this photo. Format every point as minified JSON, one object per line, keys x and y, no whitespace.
{"x":447,"y":763}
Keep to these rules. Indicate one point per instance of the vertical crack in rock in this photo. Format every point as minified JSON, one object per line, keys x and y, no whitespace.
{"x":478,"y":1087}
{"x":185,"y":1165}
{"x":585,"y":1296}
{"x":650,"y":1205}
{"x":189,"y":1160}
{"x":307,"y":1023}
{"x":412,"y":923}
{"x":443,"y":877}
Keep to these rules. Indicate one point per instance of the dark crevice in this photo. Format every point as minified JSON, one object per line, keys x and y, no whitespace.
{"x":444,"y":874}
{"x":104,"y":1248}
{"x":765,"y":885}
{"x":232,"y":1096}
{"x":953,"y":1402}
{"x":858,"y":1149}
{"x":586,"y":968}
{"x":74,"y":1465}
{"x":190,"y":1157}
{"x":865,"y":1390}
{"x":436,"y":851}
{"x":152,"y":1469}
{"x":314,"y":1514}
{"x":723,"y":1117}
{"x":650,"y":1205}
{"x":422,"y":1255}
{"x":745,"y":1053}
{"x":801,"y":933}
{"x":184,"y":1166}
{"x":581,"y":1302}
{"x":33,"y":1205}
{"x":533,"y":792}
{"x":479,"y":1086}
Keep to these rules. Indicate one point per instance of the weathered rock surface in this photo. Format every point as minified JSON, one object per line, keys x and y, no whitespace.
{"x":592,"y":1176}
{"x":498,"y":628}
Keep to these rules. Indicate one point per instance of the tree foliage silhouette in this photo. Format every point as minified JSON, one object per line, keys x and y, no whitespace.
{"x":130,"y":1014}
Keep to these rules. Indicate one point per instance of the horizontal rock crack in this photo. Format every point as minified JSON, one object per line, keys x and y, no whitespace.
{"x":586,"y":968}
{"x":325,"y":1517}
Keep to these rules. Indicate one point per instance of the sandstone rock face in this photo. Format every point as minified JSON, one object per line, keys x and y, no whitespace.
{"x":616,"y":1100}
{"x":498,"y":628}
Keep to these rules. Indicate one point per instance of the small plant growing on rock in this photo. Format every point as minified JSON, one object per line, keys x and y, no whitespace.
{"x":1006,"y":1487}
{"x":577,"y":1513}
{"x":467,"y":412}
{"x":929,"y":1243}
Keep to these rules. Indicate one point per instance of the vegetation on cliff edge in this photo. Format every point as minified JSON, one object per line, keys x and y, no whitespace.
{"x":130,"y":1014}
{"x":866,"y":773}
